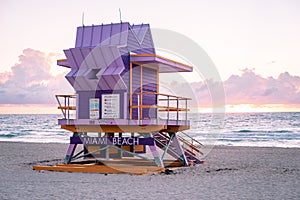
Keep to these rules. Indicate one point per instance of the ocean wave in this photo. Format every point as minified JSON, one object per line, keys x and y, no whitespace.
{"x":10,"y":135}
{"x":271,"y":129}
{"x":262,"y":131}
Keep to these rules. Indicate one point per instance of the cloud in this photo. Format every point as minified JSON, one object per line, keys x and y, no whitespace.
{"x":30,"y":80}
{"x":250,"y":88}
{"x":247,"y":88}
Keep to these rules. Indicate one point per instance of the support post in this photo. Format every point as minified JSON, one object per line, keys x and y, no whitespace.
{"x":178,"y":149}
{"x":168,"y":107}
{"x":71,"y":150}
{"x":186,"y":111}
{"x":177,"y":114}
{"x":153,"y":149}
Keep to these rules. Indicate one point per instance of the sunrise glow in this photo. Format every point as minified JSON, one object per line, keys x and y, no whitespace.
{"x":241,"y":108}
{"x":28,"y":109}
{"x":246,"y":108}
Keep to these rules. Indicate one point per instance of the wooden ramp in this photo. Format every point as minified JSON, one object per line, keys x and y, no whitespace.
{"x":113,"y":166}
{"x":103,"y":169}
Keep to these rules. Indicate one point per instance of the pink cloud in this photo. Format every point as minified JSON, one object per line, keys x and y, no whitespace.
{"x":248,"y":88}
{"x":30,"y":80}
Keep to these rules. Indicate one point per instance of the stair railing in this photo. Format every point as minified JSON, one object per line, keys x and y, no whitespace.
{"x":190,"y":144}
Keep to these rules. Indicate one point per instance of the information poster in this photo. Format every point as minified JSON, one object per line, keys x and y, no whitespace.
{"x":94,"y":108}
{"x":110,"y":106}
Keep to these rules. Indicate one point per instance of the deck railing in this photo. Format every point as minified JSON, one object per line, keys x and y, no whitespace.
{"x":65,"y":104}
{"x":164,"y":103}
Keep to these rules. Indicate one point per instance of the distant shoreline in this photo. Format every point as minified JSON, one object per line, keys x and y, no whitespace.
{"x":215,"y":146}
{"x":59,"y":113}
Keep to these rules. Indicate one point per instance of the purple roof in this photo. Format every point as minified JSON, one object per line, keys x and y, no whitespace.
{"x":100,"y":69}
{"x":135,"y":38}
{"x":96,"y":61}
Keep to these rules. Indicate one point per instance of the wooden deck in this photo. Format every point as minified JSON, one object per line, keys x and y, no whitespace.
{"x":94,"y":168}
{"x":123,"y":125}
{"x":115,"y":166}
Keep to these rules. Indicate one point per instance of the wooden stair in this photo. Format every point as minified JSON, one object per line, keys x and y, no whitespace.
{"x":191,"y":151}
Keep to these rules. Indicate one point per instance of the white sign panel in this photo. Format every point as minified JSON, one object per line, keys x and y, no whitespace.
{"x":110,"y":106}
{"x":94,"y":108}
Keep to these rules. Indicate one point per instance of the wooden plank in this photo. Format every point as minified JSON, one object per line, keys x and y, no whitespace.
{"x":126,"y":148}
{"x":176,"y":128}
{"x":136,"y":170}
{"x":125,"y":161}
{"x":161,"y":57}
{"x":190,"y":145}
{"x":145,"y":106}
{"x":92,"y":148}
{"x":62,"y":60}
{"x":139,"y":148}
{"x":190,"y":151}
{"x":67,"y":107}
{"x":66,"y":95}
{"x":167,"y":95}
{"x":166,"y":108}
{"x":162,"y":108}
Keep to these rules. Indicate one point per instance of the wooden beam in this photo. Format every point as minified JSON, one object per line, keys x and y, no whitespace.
{"x":176,"y":128}
{"x":67,"y":107}
{"x":137,"y":170}
{"x":161,"y":57}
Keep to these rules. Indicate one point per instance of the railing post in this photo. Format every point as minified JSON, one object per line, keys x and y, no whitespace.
{"x":129,"y":109}
{"x":68,"y":107}
{"x":65,"y":103}
{"x":186,"y":111}
{"x":138,"y":107}
{"x":157,"y":99}
{"x":168,"y":107}
{"x":177,"y":118}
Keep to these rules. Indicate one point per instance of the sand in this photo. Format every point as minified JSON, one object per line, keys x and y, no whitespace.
{"x":229,"y":173}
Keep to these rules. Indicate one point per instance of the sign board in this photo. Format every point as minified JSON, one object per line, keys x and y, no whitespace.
{"x":94,"y":108}
{"x":110,"y":106}
{"x":121,"y":141}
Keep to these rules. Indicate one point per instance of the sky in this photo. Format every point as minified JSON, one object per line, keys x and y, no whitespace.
{"x":254,"y":45}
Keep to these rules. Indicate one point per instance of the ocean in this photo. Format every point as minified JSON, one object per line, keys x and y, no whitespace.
{"x":232,"y":129}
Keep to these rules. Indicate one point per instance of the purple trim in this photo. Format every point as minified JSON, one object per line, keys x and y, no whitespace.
{"x":121,"y":141}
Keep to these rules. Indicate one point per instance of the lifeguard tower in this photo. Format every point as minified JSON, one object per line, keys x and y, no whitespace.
{"x":120,"y":121}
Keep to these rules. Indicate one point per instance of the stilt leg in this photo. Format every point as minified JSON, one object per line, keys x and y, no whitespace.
{"x":71,"y":150}
{"x":157,"y":158}
{"x":178,"y":148}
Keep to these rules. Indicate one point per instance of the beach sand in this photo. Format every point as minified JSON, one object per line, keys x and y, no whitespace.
{"x":229,"y":173}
